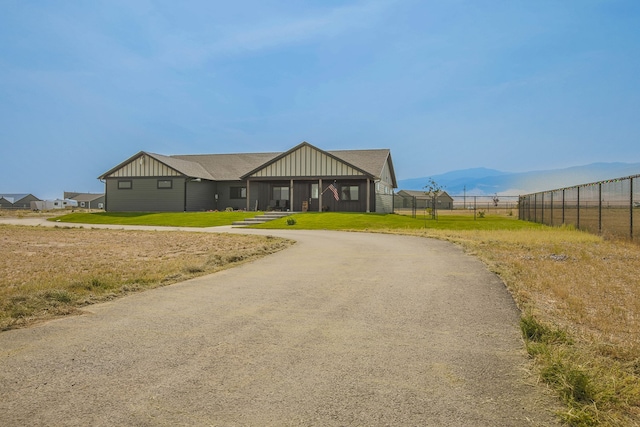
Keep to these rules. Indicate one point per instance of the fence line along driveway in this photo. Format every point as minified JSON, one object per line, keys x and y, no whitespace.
{"x":340,"y":329}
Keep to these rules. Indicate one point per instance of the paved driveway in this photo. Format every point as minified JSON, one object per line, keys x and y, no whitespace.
{"x":340,"y":329}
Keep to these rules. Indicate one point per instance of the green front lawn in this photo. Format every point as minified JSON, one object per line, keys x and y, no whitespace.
{"x":167,"y":219}
{"x":306,"y":221}
{"x":372,"y":221}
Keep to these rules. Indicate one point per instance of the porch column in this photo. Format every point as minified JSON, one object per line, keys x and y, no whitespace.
{"x":368,"y":195}
{"x":248,"y":194}
{"x":320,"y":195}
{"x":291,"y":196}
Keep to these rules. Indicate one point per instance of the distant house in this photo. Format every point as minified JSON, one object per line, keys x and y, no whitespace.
{"x":16,"y":201}
{"x":407,"y":198}
{"x":305,"y":178}
{"x":86,"y":200}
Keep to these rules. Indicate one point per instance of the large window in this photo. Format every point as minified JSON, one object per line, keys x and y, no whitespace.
{"x":280,"y":193}
{"x":349,"y":192}
{"x":238,"y":193}
{"x":125,"y":185}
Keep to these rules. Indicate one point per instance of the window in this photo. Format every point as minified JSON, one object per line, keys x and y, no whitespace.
{"x":125,"y":185}
{"x":349,"y":192}
{"x":165,"y":184}
{"x":238,"y":193}
{"x":280,"y":193}
{"x":315,"y":192}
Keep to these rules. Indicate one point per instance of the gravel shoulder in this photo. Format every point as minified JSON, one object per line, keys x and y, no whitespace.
{"x":340,"y":329}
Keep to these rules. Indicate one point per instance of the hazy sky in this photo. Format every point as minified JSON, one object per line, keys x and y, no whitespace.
{"x":510,"y":85}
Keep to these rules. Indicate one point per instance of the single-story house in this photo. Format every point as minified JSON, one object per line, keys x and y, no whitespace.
{"x":405,"y":199}
{"x":305,"y":178}
{"x":16,"y":201}
{"x":86,"y":200}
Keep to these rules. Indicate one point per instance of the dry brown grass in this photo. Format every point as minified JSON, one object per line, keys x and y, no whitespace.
{"x":48,"y":272}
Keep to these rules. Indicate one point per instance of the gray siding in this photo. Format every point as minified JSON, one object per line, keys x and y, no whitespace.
{"x":144,"y":196}
{"x":384,"y":203}
{"x":224,"y":196}
{"x":201,"y":196}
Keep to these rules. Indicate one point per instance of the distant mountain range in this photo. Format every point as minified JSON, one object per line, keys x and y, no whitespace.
{"x":482,"y":181}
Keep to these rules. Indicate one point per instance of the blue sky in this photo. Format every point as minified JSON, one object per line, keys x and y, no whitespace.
{"x":446,"y":85}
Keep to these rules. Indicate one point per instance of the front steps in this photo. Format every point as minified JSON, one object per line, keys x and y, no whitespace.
{"x":261,"y":219}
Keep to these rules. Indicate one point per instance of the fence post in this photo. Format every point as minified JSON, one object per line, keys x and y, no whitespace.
{"x":631,"y":208}
{"x":563,"y":206}
{"x":600,"y":208}
{"x":551,"y":217}
{"x":578,"y":210}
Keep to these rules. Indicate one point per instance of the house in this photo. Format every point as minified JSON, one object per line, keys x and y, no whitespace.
{"x":305,"y":178}
{"x":86,"y":200}
{"x":16,"y":201}
{"x":407,"y":198}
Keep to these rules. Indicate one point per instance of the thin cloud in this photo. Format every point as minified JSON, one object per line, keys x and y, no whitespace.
{"x":272,"y":33}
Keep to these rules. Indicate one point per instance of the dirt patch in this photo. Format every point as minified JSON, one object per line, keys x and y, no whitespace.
{"x":48,"y":272}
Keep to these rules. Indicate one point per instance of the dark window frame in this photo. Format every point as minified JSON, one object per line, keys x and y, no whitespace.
{"x":237,"y":193}
{"x":347,"y":193}
{"x":125,"y":184}
{"x":164,"y":187}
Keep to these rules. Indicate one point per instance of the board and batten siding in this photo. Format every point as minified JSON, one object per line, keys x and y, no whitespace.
{"x":306,"y":162}
{"x":144,"y":166}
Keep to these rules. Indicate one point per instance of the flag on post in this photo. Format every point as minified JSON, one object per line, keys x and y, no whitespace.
{"x":334,"y":190}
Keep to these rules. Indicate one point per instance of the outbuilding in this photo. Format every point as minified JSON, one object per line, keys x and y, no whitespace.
{"x":16,"y":201}
{"x":421,"y":200}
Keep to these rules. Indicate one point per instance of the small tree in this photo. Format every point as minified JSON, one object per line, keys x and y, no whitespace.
{"x":433,"y":189}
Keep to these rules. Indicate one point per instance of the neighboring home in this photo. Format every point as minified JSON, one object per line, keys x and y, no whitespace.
{"x":305,"y":178}
{"x":16,"y":201}
{"x":86,"y":200}
{"x":405,"y":199}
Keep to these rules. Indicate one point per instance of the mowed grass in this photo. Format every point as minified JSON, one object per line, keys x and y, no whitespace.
{"x":164,"y":219}
{"x":378,"y":222}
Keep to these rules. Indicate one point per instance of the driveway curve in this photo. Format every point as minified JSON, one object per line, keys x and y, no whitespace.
{"x":340,"y":329}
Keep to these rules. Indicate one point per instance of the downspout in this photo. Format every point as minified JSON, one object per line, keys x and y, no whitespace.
{"x":185,"y":193}
{"x":368,"y":210}
{"x":105,"y":193}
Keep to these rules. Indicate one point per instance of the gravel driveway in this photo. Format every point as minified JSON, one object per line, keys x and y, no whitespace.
{"x":341,"y":329}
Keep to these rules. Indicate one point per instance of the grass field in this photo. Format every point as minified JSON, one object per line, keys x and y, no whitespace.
{"x":579,"y":293}
{"x":182,"y":219}
{"x":47,"y":272}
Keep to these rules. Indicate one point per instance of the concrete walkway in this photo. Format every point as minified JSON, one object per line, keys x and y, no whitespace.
{"x":340,"y":329}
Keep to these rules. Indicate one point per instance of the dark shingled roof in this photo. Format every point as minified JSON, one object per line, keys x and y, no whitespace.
{"x":231,"y":167}
{"x":228,"y":167}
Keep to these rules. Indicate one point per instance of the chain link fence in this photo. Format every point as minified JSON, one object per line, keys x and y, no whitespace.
{"x":489,"y":205}
{"x":608,"y":208}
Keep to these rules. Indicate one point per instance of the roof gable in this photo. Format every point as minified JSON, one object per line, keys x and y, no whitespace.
{"x":306,"y":160}
{"x":146,"y":164}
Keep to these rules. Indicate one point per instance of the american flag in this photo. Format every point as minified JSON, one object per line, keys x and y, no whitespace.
{"x":334,"y":190}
